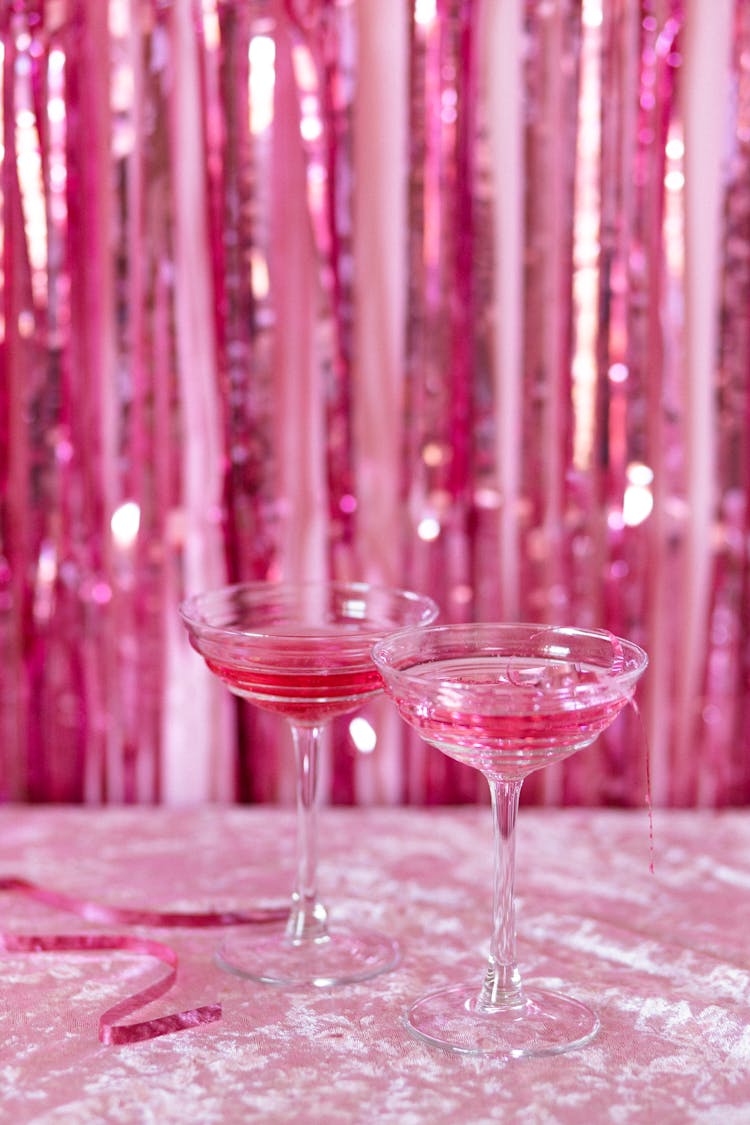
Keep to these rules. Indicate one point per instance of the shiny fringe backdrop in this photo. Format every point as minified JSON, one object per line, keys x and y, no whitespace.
{"x":446,"y":293}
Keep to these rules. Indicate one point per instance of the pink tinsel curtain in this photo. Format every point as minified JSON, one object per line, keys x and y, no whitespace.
{"x":445,"y":293}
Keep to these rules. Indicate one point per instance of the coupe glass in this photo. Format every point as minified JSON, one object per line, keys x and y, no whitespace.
{"x":506,"y":699}
{"x":302,"y":651}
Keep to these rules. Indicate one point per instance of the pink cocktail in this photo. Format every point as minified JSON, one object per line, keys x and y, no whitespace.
{"x":318,"y":682}
{"x":506,"y":699}
{"x":302,"y":651}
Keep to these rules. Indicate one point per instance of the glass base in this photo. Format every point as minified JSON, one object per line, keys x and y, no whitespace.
{"x":342,"y":956}
{"x":545,"y":1023}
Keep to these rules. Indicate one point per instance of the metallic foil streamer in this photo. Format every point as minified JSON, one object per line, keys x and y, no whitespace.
{"x":239,"y":88}
{"x":602,"y":366}
{"x":322,"y":45}
{"x":239,"y":66}
{"x":322,"y":40}
{"x":147,"y":428}
{"x":722,"y":732}
{"x":51,"y":534}
{"x":450,"y":485}
{"x":551,"y":80}
{"x":548,"y":506}
{"x":92,"y":533}
{"x":278,"y":88}
{"x":640,"y":361}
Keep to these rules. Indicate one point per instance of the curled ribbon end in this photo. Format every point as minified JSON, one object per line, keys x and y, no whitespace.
{"x":120,"y":1034}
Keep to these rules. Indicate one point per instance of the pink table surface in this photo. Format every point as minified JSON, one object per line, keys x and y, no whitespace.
{"x":664,"y":958}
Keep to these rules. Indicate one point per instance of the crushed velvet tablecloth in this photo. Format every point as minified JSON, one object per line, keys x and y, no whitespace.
{"x":664,"y":957}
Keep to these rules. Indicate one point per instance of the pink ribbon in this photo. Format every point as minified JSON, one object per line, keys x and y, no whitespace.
{"x":111,"y":1030}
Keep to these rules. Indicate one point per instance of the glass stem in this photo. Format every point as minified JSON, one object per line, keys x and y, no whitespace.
{"x":307,"y":918}
{"x":502,"y":982}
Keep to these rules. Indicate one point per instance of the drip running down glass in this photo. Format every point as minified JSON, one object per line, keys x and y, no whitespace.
{"x":303,"y":652}
{"x":507,"y":700}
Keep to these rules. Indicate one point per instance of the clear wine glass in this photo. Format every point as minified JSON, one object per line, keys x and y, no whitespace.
{"x":506,"y":699}
{"x":303,"y":651}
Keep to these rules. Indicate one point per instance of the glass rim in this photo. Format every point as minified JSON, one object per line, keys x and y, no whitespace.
{"x":192,"y":614}
{"x":384,"y":651}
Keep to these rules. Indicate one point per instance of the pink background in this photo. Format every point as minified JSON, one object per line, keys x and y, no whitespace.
{"x":446,"y":294}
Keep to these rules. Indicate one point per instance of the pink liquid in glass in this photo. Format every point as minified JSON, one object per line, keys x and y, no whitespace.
{"x":313,"y":681}
{"x":509,"y":716}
